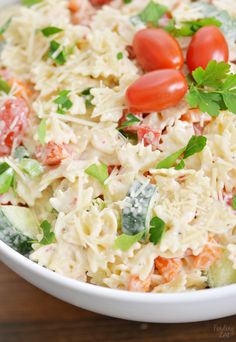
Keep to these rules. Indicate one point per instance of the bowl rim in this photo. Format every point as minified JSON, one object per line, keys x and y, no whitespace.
{"x":117,"y":294}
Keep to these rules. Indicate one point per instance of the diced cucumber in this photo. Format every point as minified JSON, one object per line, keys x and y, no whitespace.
{"x":18,"y":227}
{"x":221,"y":273}
{"x":136,"y":214}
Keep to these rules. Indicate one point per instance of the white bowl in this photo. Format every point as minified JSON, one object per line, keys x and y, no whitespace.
{"x":146,"y":307}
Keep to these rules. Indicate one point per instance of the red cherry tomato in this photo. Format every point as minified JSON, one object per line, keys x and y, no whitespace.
{"x":13,"y":123}
{"x":207,"y":44}
{"x":156,"y":91}
{"x":156,"y":49}
{"x":99,"y":2}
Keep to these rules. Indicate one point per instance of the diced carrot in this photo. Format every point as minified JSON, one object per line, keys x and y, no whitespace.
{"x":168,"y":268}
{"x":138,"y":285}
{"x":73,"y":6}
{"x":24,"y":88}
{"x":210,"y":253}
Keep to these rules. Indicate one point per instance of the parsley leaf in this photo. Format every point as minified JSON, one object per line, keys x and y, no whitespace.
{"x":195,"y":145}
{"x":127,"y":1}
{"x":63,"y":102}
{"x":124,"y":241}
{"x":4,"y":86}
{"x":119,"y":56}
{"x":213,"y":76}
{"x":42,"y":131}
{"x":6,"y":178}
{"x":234,"y":202}
{"x":131,"y":121}
{"x":88,"y":97}
{"x":30,"y":2}
{"x":170,"y":161}
{"x":51,"y":30}
{"x":48,"y":235}
{"x":5,"y":26}
{"x":213,"y":89}
{"x":152,"y":13}
{"x":157,"y":228}
{"x":181,"y":165}
{"x":189,"y":28}
{"x":98,"y":171}
{"x":59,"y":58}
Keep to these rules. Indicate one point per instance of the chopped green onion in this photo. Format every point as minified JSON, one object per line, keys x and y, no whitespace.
{"x":60,"y":58}
{"x":124,"y":241}
{"x":31,"y":166}
{"x":63,"y":101}
{"x":51,"y":30}
{"x":98,"y":171}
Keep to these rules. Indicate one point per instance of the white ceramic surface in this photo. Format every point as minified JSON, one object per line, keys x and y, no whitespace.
{"x":148,"y":307}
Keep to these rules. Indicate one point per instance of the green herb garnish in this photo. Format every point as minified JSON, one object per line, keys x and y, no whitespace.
{"x":5,"y":26}
{"x":63,"y":102}
{"x":131,"y":121}
{"x":213,"y":89}
{"x":51,"y":30}
{"x":195,"y":145}
{"x":30,"y":2}
{"x":124,"y":241}
{"x":189,"y":28}
{"x":98,"y":171}
{"x":48,"y":235}
{"x":60,"y":58}
{"x":31,"y":166}
{"x":119,"y":56}
{"x":6,"y":178}
{"x":88,"y":97}
{"x":234,"y":202}
{"x":157,"y":228}
{"x":152,"y":13}
{"x":4,"y":86}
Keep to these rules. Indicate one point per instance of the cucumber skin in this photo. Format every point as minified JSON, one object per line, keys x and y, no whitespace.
{"x":135,"y":213}
{"x":13,"y":238}
{"x":222,"y":273}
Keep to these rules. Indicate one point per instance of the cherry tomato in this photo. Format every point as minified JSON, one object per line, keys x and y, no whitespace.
{"x":207,"y":44}
{"x":156,"y":91}
{"x":100,"y":2}
{"x":156,"y":49}
{"x":13,"y":123}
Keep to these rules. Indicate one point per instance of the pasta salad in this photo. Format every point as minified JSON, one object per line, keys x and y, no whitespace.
{"x":118,"y":140}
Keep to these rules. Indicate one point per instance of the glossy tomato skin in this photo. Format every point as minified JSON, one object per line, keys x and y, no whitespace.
{"x":156,"y":91}
{"x":156,"y":49}
{"x":207,"y":44}
{"x":13,"y":119}
{"x":100,"y":2}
